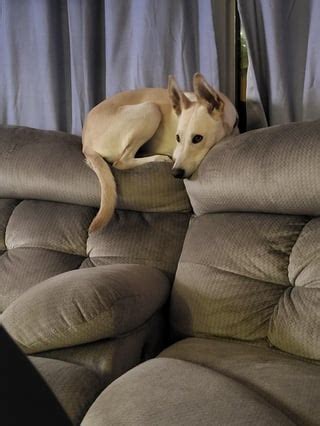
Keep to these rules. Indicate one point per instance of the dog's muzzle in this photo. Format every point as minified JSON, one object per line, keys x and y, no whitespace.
{"x":178,"y":173}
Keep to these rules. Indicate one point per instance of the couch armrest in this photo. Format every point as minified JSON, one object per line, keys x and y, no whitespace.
{"x":85,"y":305}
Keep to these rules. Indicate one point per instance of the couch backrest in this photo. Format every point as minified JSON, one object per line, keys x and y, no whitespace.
{"x":48,"y":197}
{"x":49,"y":165}
{"x":250,"y":265}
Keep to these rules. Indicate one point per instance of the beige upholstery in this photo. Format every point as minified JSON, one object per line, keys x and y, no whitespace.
{"x":90,"y":306}
{"x":213,"y":382}
{"x":247,"y":267}
{"x":74,"y":386}
{"x":273,"y":170}
{"x":256,"y":274}
{"x":245,"y":301}
{"x":290,"y":384}
{"x":129,"y":238}
{"x":110,"y":358}
{"x":50,"y":166}
{"x":246,"y":297}
{"x":178,"y":393}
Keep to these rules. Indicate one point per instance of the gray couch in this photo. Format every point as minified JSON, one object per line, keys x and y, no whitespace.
{"x":244,"y":306}
{"x":85,"y":309}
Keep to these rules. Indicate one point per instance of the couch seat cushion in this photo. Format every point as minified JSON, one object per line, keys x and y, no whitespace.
{"x":174,"y":392}
{"x":74,"y":386}
{"x":286,"y":382}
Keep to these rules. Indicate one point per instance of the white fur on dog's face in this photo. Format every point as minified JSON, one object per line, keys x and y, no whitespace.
{"x":196,"y":121}
{"x":204,"y":119}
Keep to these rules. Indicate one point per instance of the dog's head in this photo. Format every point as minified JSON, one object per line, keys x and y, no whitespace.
{"x":204,"y":119}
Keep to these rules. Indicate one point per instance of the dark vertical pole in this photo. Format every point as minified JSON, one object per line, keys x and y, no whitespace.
{"x":237,"y":57}
{"x":240,"y":103}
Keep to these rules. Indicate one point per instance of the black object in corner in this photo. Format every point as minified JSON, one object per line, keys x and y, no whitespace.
{"x":25,"y":398}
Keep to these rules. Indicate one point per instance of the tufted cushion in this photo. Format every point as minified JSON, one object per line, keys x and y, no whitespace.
{"x":49,"y":165}
{"x":40,"y":239}
{"x":130,"y":238}
{"x":43,"y":239}
{"x":53,"y":226}
{"x":249,"y":275}
{"x":51,"y":294}
{"x":272,"y":170}
{"x":47,"y":235}
{"x":22,"y":268}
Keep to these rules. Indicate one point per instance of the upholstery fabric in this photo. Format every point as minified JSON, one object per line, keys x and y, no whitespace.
{"x":174,"y":392}
{"x":47,"y":235}
{"x":85,"y":305}
{"x":6,"y":208}
{"x":130,"y":238}
{"x":29,"y":226}
{"x":44,"y":238}
{"x":48,"y":165}
{"x":23,"y":267}
{"x":90,"y":306}
{"x":110,"y":358}
{"x":290,"y":384}
{"x":74,"y":386}
{"x":272,"y":170}
{"x":249,"y":266}
{"x":248,"y":272}
{"x":239,"y":276}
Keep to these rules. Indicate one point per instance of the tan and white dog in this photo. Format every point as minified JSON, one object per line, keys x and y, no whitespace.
{"x":168,"y":125}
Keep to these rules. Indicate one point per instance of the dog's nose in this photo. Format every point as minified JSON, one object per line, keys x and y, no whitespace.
{"x":178,"y":173}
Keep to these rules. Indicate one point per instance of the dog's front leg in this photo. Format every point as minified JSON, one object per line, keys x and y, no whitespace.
{"x":129,"y":163}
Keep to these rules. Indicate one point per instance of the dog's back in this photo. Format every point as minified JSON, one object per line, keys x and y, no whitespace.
{"x":158,"y":124}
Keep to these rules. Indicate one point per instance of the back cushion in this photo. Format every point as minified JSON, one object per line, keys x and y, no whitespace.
{"x":49,"y":165}
{"x":249,"y":275}
{"x":40,"y":239}
{"x":272,"y":170}
{"x":48,"y":197}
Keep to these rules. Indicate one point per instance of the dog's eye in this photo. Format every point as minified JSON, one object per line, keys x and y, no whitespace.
{"x":197,"y":138}
{"x":177,"y":138}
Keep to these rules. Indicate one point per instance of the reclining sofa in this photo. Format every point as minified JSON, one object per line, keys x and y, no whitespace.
{"x":241,"y":345}
{"x":84,"y":308}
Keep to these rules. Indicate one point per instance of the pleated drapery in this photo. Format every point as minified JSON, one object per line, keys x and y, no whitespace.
{"x":60,"y":58}
{"x":284,"y":60}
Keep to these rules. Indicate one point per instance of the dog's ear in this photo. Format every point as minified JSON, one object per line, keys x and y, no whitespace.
{"x":206,"y":94}
{"x":178,"y":99}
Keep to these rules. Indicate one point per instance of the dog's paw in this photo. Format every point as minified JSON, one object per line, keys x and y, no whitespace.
{"x":163,"y":158}
{"x":121,"y":165}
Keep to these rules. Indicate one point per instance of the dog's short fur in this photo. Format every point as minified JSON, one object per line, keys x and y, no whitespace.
{"x":167,"y":124}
